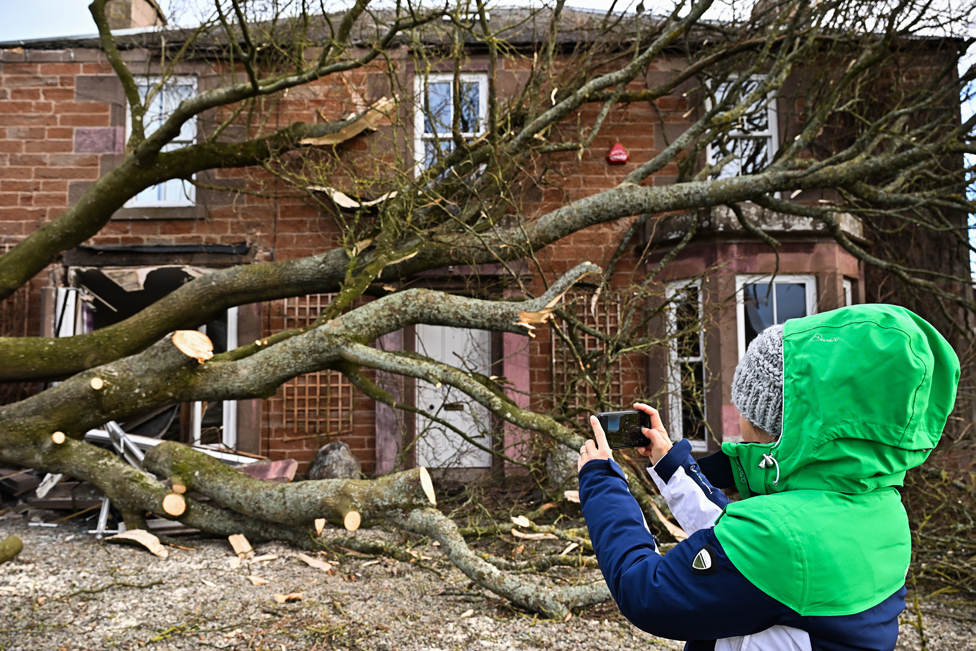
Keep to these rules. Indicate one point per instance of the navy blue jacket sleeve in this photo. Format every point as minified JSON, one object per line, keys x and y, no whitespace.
{"x":666,"y":595}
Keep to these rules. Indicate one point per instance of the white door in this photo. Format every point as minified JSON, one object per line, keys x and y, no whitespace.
{"x":439,"y":446}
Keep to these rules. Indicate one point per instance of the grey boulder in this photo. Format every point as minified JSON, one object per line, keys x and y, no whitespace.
{"x":335,"y":461}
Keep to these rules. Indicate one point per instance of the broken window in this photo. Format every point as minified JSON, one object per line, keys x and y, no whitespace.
{"x":100,"y":297}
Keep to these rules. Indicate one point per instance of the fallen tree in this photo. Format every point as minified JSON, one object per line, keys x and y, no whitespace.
{"x":472,"y":205}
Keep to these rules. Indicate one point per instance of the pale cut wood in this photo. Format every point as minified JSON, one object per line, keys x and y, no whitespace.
{"x":533,"y":536}
{"x":143,"y":538}
{"x":97,"y":383}
{"x":673,"y":529}
{"x":179,"y":488}
{"x":317,"y":563}
{"x":319,"y":526}
{"x":58,"y":438}
{"x":428,"y":485}
{"x":241,"y":546}
{"x":352,"y":520}
{"x":369,"y":120}
{"x":193,"y":343}
{"x":174,"y":505}
{"x":287,"y":598}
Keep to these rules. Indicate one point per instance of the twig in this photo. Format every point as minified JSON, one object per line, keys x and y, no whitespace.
{"x":107,"y":586}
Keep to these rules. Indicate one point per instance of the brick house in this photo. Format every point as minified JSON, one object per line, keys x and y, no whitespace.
{"x":63,"y":125}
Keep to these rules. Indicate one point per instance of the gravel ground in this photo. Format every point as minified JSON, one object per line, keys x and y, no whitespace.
{"x":67,"y":591}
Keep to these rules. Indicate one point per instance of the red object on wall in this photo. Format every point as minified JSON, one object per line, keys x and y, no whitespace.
{"x":617,"y":155}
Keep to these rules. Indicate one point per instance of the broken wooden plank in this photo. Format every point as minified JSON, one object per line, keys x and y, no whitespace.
{"x":241,"y":546}
{"x":143,"y":538}
{"x":317,"y":563}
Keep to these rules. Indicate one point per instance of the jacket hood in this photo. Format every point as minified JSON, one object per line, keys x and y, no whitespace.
{"x":867,"y":391}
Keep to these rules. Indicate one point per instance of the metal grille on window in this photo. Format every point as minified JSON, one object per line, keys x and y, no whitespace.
{"x":320,"y":402}
{"x":572,"y":392}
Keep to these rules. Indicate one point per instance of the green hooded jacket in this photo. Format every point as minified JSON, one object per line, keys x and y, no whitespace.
{"x":867,"y":391}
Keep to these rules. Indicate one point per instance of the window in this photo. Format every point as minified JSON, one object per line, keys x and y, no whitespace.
{"x":753,"y":140}
{"x":175,"y":192}
{"x":848,"y":292}
{"x":216,"y":422}
{"x":686,"y":365}
{"x":435,"y":115}
{"x":765,"y":301}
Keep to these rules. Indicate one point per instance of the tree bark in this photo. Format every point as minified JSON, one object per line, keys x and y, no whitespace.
{"x":555,"y":603}
{"x":299,"y":503}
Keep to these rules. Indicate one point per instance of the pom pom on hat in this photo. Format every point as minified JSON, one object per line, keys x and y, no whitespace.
{"x":757,"y":389}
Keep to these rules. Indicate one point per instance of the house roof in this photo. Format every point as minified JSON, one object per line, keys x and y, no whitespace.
{"x":515,"y":25}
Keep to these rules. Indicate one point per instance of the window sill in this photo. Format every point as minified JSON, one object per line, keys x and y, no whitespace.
{"x":159,"y":212}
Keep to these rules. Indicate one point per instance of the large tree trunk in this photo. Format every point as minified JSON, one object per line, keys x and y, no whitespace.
{"x":298,"y":504}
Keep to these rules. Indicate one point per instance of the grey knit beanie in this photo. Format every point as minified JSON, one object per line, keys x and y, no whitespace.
{"x":757,"y":389}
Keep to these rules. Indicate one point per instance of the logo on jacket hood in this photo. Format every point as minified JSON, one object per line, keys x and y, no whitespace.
{"x":820,"y":337}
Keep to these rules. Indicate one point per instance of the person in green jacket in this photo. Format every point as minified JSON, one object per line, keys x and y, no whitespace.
{"x":839,"y":406}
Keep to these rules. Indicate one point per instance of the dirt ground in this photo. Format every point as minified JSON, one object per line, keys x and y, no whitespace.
{"x":68,"y":591}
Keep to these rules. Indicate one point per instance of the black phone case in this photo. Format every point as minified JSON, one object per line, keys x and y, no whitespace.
{"x":616,"y":439}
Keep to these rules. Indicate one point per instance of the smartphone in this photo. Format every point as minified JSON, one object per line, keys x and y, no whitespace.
{"x":623,"y":428}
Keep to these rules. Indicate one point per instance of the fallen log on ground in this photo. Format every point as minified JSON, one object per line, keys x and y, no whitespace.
{"x":556,"y":603}
{"x":345,"y":502}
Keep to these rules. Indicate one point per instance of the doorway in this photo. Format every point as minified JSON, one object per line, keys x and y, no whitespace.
{"x":458,"y":436}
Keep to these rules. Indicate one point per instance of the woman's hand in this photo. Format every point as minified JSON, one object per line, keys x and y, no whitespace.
{"x":598,"y":449}
{"x":660,"y":443}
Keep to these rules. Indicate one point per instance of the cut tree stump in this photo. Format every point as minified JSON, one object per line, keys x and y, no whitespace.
{"x":174,"y":505}
{"x":193,"y":343}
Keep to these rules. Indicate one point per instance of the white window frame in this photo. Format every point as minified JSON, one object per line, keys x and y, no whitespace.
{"x":420,"y":87}
{"x":675,"y":406}
{"x":772,"y":133}
{"x":848,"y":292}
{"x":186,"y":194}
{"x":228,"y":430}
{"x":809,"y":282}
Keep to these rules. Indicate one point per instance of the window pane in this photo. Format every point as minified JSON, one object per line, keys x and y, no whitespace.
{"x":791,"y":301}
{"x":435,"y":150}
{"x":752,"y":155}
{"x":758,"y":303}
{"x":688,"y":323}
{"x":438,"y":110}
{"x":693,"y":401}
{"x":470,"y":106}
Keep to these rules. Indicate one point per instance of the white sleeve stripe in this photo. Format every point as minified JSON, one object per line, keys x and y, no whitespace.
{"x":689,"y":504}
